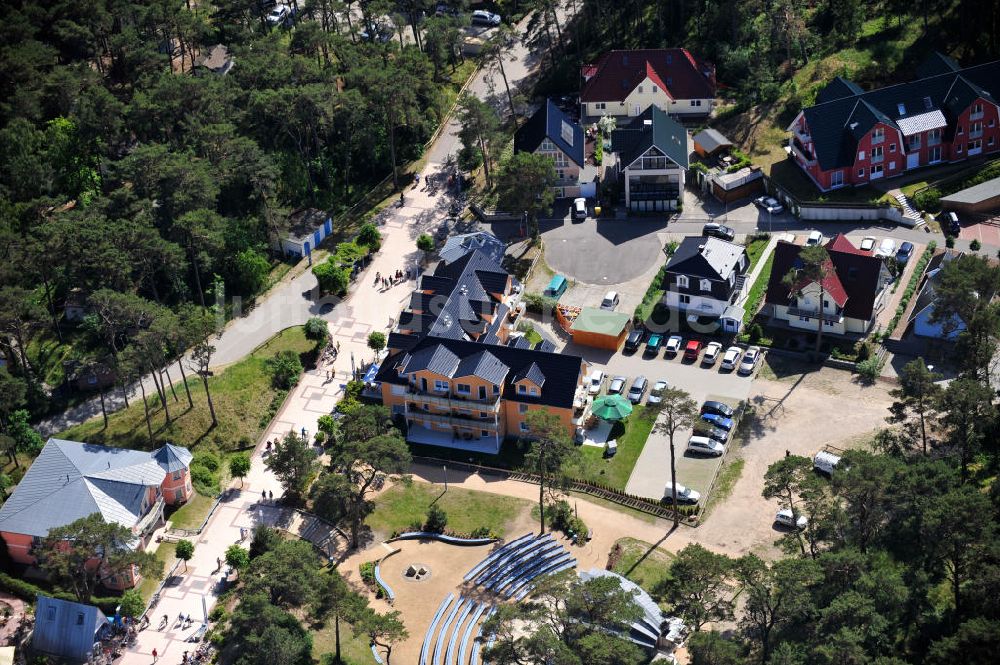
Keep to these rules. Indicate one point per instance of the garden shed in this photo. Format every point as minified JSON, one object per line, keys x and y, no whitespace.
{"x":600,"y":328}
{"x":981,"y":198}
{"x":306,"y":229}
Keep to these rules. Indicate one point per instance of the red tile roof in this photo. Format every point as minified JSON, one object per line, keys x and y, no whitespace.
{"x":831,"y":284}
{"x":617,"y":73}
{"x":840,"y":243}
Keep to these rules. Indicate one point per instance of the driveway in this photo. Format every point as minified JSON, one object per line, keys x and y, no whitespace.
{"x":603,"y":251}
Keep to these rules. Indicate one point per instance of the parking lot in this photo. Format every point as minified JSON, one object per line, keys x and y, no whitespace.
{"x":651,"y":473}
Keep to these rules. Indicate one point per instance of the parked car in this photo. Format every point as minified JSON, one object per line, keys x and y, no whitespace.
{"x":815,"y":238}
{"x":825,"y":462}
{"x":886,"y":248}
{"x":693,"y":349}
{"x":868,"y":244}
{"x":702,"y":428}
{"x":674,"y":344}
{"x":716,"y":420}
{"x":483,"y":17}
{"x":750,"y":360}
{"x":610,"y":301}
{"x":634,"y":339}
{"x":769,"y":204}
{"x":278,"y":15}
{"x":720,"y":231}
{"x":617,"y":385}
{"x":653,"y":344}
{"x":638,"y":389}
{"x":702,"y":445}
{"x":595,"y":382}
{"x":721,"y":408}
{"x":443,"y":10}
{"x":731,"y":357}
{"x":712,"y":352}
{"x":949,"y":223}
{"x":785,"y":517}
{"x":684,"y":494}
{"x":656,"y":393}
{"x":580,"y":208}
{"x":905,"y":252}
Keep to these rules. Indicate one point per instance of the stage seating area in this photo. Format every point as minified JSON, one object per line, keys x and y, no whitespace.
{"x":448,"y":639}
{"x":510,"y":570}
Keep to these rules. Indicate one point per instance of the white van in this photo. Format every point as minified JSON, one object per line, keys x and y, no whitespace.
{"x":825,"y":461}
{"x":610,"y":301}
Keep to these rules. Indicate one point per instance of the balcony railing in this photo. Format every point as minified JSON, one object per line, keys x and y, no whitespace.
{"x":976,"y":116}
{"x":878,"y":159}
{"x":976,"y":134}
{"x":803,"y":136}
{"x":489,"y":404}
{"x":151,"y":517}
{"x":489,"y":425}
{"x":801,"y":155}
{"x":813,"y":314}
{"x":878,"y":138}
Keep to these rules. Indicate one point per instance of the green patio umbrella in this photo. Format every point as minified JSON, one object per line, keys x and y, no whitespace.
{"x":612,"y":407}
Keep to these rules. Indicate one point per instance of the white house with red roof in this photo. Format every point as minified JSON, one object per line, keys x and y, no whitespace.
{"x":626,"y":83}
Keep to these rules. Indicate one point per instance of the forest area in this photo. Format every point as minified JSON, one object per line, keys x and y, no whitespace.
{"x":142,"y":191}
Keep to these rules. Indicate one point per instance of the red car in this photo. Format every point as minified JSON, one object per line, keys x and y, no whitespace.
{"x":692,"y":349}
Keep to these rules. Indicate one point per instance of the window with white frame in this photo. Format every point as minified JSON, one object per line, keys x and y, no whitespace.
{"x":640,"y":89}
{"x":533,"y":391}
{"x":682,"y":281}
{"x":440,"y":386}
{"x":959,"y":147}
{"x":837,"y":179}
{"x":804,"y":319}
{"x":892,"y":147}
{"x":695,"y":102}
{"x":861,"y":173}
{"x":861,"y":155}
{"x":684,"y":300}
{"x":600,"y":106}
{"x":463,"y":388}
{"x":706,"y":285}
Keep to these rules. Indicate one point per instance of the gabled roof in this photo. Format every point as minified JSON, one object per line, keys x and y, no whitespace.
{"x":674,"y":70}
{"x":832,"y":287}
{"x":558,"y":372}
{"x":708,"y":258}
{"x":711,"y":140}
{"x":651,"y":128}
{"x":549,"y":122}
{"x":484,"y":365}
{"x":458,"y":246}
{"x":837,"y":121}
{"x":838,"y":88}
{"x":532,"y":373}
{"x":859,"y":277}
{"x":937,"y":63}
{"x":70,"y":480}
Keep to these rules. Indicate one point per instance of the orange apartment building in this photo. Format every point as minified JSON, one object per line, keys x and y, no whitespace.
{"x":70,"y":480}
{"x":459,"y":373}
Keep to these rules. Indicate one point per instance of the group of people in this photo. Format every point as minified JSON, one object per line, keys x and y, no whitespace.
{"x":392,"y":279}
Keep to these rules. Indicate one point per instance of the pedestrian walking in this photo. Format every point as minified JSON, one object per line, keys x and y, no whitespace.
{"x":155,"y":656}
{"x":218,"y":561}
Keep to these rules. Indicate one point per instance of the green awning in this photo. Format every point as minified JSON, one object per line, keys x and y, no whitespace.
{"x":601,"y":321}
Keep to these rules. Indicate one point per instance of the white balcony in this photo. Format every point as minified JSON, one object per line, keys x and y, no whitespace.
{"x":878,"y":138}
{"x":878,"y":159}
{"x":976,"y":116}
{"x":800,"y":156}
{"x":976,"y":134}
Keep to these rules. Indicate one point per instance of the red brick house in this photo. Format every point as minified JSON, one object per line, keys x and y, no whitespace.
{"x":852,"y":137}
{"x":70,"y":480}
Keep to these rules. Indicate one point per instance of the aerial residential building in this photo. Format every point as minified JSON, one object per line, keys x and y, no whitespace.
{"x":463,"y":394}
{"x":852,"y":137}
{"x":552,"y":133}
{"x":626,"y":83}
{"x":854,"y":290}
{"x":70,"y":480}
{"x":704,"y":279}
{"x":653,"y":155}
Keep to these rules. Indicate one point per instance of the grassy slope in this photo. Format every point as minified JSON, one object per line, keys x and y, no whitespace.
{"x":406,"y":504}
{"x":653,"y":567}
{"x":242,"y":395}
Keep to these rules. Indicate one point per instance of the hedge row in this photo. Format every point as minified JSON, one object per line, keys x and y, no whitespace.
{"x":912,"y":285}
{"x":29,"y":592}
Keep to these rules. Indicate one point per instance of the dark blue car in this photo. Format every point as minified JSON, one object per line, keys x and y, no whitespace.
{"x":718,"y":421}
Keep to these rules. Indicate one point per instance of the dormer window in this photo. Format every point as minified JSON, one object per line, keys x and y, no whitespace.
{"x":522,"y":389}
{"x":706,"y":285}
{"x":682,"y":281}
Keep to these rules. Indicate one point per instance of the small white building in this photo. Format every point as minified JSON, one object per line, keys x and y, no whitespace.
{"x":306,"y":229}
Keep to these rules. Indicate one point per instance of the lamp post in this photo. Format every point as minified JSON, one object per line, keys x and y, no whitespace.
{"x":445,"y":467}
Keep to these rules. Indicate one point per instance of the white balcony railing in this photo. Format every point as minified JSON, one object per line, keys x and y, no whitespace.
{"x":801,"y":156}
{"x":976,"y":134}
{"x":878,"y":138}
{"x":976,"y":116}
{"x":878,"y":159}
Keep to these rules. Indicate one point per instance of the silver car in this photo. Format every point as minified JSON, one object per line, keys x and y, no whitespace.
{"x":617,"y":385}
{"x":656,"y":394}
{"x":786,"y":517}
{"x":750,"y":360}
{"x":732,"y":357}
{"x":638,"y":389}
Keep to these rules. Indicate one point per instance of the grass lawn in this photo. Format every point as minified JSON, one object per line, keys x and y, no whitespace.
{"x":167,"y":553}
{"x":641,"y":565}
{"x":529,"y":332}
{"x":245,"y":402}
{"x":754,"y":251}
{"x":406,"y":504}
{"x":731,"y":471}
{"x":192,"y":513}
{"x":353,"y":650}
{"x":756,"y":295}
{"x":615,"y":471}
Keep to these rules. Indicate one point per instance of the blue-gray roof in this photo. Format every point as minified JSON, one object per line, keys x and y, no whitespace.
{"x":70,"y":480}
{"x":651,"y":128}
{"x":458,"y":246}
{"x":550,"y":123}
